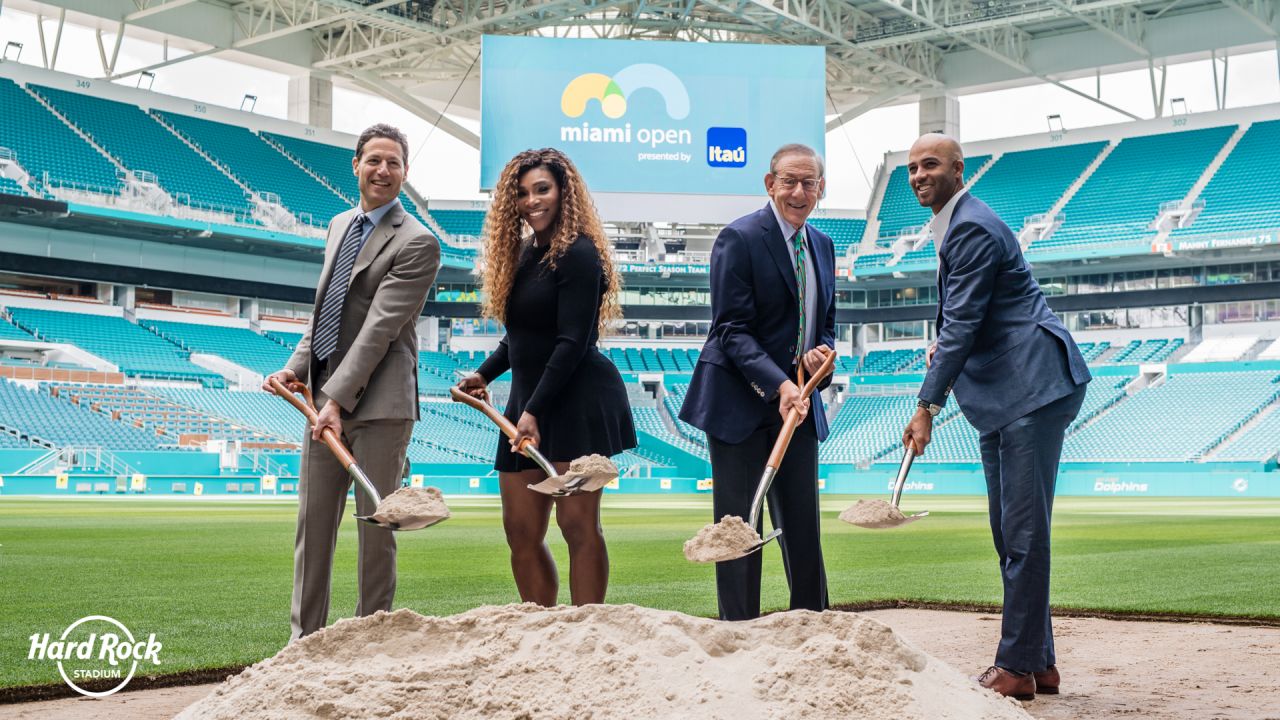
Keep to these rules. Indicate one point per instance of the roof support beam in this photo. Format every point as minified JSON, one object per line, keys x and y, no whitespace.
{"x":380,"y":86}
{"x":1259,"y":12}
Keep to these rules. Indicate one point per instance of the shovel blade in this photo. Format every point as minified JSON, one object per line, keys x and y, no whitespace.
{"x":758,"y":546}
{"x":416,"y":523}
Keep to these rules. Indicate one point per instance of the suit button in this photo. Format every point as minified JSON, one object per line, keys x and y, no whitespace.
{"x":792,"y":349}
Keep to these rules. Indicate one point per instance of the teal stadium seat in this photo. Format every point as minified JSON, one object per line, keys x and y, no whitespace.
{"x":241,"y":346}
{"x":138,"y":352}
{"x":46,"y":147}
{"x":260,"y":166}
{"x":1234,"y":200}
{"x":140,"y":143}
{"x":58,"y":422}
{"x":9,"y":331}
{"x":1118,"y":203}
{"x":9,"y":186}
{"x":900,"y":209}
{"x":1152,"y":424}
{"x":1028,"y":182}
{"x":845,"y":233}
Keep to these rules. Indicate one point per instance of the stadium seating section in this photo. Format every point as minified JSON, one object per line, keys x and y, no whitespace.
{"x":138,"y":142}
{"x":1005,"y":187}
{"x":137,"y":351}
{"x":901,"y":210}
{"x":50,"y":151}
{"x":1122,"y":198}
{"x":242,"y":346}
{"x":1179,"y":419}
{"x":465,"y":223}
{"x":9,"y":186}
{"x":260,"y":166}
{"x":50,"y":421}
{"x":1234,"y":200}
{"x":845,"y":232}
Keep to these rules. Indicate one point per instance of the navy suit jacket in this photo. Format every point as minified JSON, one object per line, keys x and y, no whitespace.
{"x":754,"y":321}
{"x":1000,"y":347}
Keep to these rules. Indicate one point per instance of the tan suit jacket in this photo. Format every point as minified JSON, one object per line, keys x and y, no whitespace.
{"x":376,"y":375}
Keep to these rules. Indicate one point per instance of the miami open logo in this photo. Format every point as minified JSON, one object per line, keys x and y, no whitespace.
{"x":95,"y":648}
{"x":612,"y":92}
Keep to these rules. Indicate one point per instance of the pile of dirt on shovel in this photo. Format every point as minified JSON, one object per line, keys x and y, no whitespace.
{"x":602,"y":661}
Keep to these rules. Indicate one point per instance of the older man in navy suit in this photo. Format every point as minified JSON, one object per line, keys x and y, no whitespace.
{"x":1019,"y":379}
{"x":773,"y":308}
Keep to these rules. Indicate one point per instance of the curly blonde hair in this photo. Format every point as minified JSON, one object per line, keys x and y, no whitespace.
{"x":505,"y":233}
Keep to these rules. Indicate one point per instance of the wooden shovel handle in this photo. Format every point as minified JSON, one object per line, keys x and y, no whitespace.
{"x":793,"y":417}
{"x":308,"y":408}
{"x":507,"y":427}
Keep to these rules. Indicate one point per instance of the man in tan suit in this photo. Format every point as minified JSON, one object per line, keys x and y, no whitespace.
{"x":359,"y":356}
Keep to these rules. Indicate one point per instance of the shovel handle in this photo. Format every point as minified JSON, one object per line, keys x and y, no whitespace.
{"x":793,"y":417}
{"x":308,"y":408}
{"x":490,"y":412}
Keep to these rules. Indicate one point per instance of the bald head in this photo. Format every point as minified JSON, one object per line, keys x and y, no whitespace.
{"x":935,"y":167}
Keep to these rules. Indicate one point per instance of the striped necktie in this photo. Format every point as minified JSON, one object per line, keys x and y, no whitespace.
{"x":801,"y":287}
{"x":326,"y":328}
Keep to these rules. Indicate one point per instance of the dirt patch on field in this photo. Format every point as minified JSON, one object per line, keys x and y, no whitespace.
{"x":1110,"y":668}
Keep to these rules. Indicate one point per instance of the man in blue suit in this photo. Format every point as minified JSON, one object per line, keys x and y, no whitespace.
{"x":1019,"y":379}
{"x":773,"y":308}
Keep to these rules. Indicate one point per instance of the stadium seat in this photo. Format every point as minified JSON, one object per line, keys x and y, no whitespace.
{"x":50,"y":151}
{"x":140,"y":143}
{"x":1122,"y":198}
{"x":260,"y":166}
{"x":137,"y":351}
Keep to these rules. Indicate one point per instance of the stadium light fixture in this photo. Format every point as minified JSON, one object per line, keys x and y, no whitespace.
{"x":15,"y":48}
{"x":1055,"y":123}
{"x":1178,"y":106}
{"x":150,"y":77}
{"x":251,"y":101}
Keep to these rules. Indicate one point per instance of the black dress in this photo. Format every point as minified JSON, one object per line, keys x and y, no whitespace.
{"x":557,"y":373}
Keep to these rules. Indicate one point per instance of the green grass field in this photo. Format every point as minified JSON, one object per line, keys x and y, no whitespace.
{"x":212,"y":578}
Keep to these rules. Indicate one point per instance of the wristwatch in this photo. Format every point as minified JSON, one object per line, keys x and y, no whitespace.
{"x":929,"y":407}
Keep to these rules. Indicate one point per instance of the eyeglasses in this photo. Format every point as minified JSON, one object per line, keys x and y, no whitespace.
{"x":789,"y":183}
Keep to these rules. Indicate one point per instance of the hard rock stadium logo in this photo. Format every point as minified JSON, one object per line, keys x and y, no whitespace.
{"x":97,"y":649}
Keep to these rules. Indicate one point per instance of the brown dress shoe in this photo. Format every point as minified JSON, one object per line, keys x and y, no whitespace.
{"x":1008,"y":684}
{"x":1047,"y":681}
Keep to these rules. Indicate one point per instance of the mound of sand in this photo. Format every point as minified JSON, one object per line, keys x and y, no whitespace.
{"x":725,"y":540}
{"x":602,"y":661}
{"x":412,"y":506}
{"x":873,"y":514}
{"x":596,"y":471}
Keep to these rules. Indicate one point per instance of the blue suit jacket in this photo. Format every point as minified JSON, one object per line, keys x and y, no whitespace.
{"x":754,"y":321}
{"x":1000,"y":347}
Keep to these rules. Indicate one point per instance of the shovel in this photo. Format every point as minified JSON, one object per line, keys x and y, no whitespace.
{"x":556,"y":485}
{"x":346,"y":459}
{"x":908,"y":456}
{"x":780,"y":449}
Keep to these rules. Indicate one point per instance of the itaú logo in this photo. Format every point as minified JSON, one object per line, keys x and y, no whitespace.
{"x":95,"y":648}
{"x":613,"y":92}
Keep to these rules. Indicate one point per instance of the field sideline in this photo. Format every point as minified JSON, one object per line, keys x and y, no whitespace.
{"x":212,"y":578}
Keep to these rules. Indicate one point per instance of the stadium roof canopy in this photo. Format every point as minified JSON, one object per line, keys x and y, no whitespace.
{"x":422,"y":54}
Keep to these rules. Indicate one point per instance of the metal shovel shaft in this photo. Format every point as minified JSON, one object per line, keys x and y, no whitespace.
{"x":908,"y":456}
{"x":340,"y":451}
{"x":784,"y":440}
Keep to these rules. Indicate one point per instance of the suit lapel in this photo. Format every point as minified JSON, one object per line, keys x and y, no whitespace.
{"x":337,"y":230}
{"x":775,"y":244}
{"x":382,"y":234}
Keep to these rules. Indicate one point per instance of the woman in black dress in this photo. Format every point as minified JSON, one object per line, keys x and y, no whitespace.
{"x":556,"y":290}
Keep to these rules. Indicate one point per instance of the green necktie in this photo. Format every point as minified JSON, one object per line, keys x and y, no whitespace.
{"x":801,"y":283}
